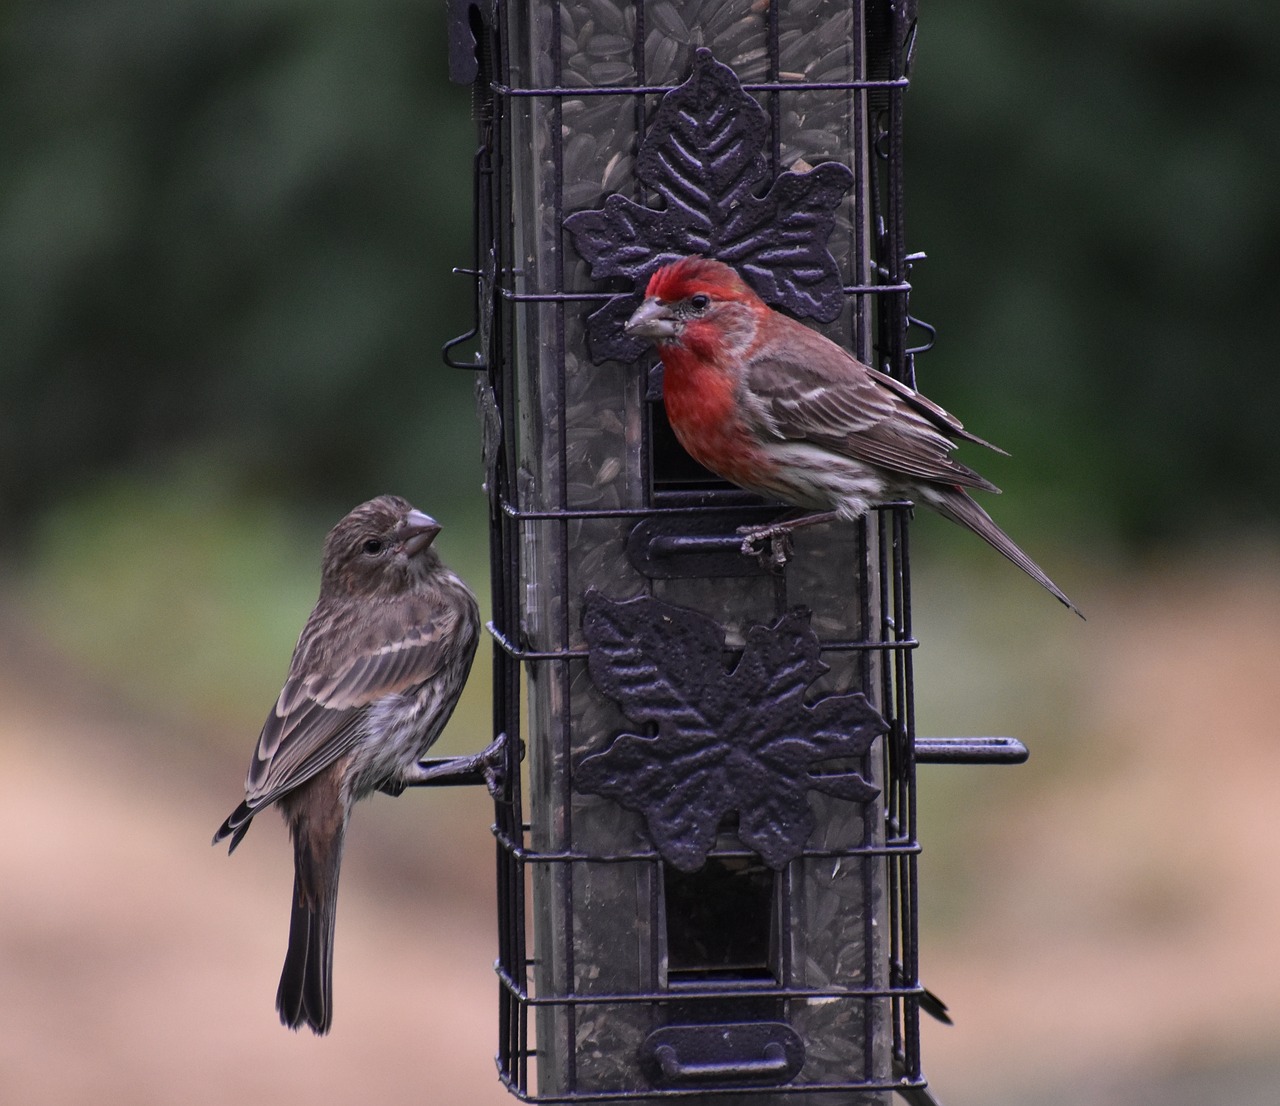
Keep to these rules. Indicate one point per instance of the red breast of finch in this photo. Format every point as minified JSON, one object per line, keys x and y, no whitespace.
{"x":374,"y":677}
{"x":763,"y":401}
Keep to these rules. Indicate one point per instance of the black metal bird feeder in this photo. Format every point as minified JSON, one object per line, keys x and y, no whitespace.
{"x":707,"y":858}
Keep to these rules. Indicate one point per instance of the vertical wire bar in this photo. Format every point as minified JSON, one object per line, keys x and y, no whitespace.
{"x":862,"y":163}
{"x":638,"y":60}
{"x":864,"y":167}
{"x":562,"y":631}
{"x":911,"y":965}
{"x":780,"y":604}
{"x":893,"y":741}
{"x":480,"y":199}
{"x":517,"y":967}
{"x":783,"y":906}
{"x":872,"y":1023}
{"x":775,"y":98}
{"x":653,"y":871}
{"x":507,"y":806}
{"x":511,"y":930}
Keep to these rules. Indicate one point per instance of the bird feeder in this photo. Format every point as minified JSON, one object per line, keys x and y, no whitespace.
{"x":707,"y":857}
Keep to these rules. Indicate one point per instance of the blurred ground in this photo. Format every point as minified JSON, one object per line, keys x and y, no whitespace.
{"x":1122,"y":939}
{"x":138,"y":965}
{"x":1104,"y":921}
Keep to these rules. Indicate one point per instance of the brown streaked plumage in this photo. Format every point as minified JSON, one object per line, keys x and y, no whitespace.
{"x":781,"y":410}
{"x":375,"y":675}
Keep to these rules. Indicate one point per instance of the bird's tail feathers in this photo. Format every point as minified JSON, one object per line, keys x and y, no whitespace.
{"x":955,"y":504}
{"x":305,"y":994}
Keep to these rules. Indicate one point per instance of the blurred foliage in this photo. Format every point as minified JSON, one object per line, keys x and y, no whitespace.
{"x":231,"y":225}
{"x":227,"y":230}
{"x":1094,"y":182}
{"x":191,"y":594}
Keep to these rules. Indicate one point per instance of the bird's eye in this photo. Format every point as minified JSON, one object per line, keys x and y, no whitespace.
{"x":699,"y":303}
{"x":373,"y":547}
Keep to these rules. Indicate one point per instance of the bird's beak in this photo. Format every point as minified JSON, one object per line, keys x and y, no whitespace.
{"x":652,"y":319}
{"x":417,"y":531}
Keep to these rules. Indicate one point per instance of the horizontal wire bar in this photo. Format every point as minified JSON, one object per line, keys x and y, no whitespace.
{"x":555,"y":297}
{"x":787,"y":1089}
{"x":525,"y":855}
{"x":683,"y":994}
{"x":867,"y":289}
{"x":516,"y":653}
{"x":513,"y":650}
{"x":553,"y":514}
{"x":513,"y":296}
{"x":568,"y":92}
{"x":894,"y":968}
{"x":864,"y":646}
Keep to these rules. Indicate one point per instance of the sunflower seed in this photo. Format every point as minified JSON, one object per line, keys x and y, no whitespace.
{"x":609,"y":471}
{"x":608,"y":15}
{"x":666,"y":17}
{"x":611,"y":72}
{"x":606,"y":45}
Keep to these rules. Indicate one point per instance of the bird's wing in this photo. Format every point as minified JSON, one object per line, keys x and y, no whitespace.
{"x":817,"y":392}
{"x":334,"y":679}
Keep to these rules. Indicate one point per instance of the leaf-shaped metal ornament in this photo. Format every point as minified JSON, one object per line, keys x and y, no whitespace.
{"x":743,"y":739}
{"x":704,"y":156}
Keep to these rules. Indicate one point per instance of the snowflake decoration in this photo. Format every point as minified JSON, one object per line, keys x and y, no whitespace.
{"x":704,"y":156}
{"x":743,"y":739}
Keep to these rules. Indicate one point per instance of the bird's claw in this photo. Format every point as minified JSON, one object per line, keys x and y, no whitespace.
{"x":490,"y":763}
{"x":770,"y":545}
{"x":493,"y":765}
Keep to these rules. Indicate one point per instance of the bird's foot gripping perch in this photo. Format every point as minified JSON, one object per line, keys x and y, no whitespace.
{"x":488,"y":765}
{"x":772,"y":545}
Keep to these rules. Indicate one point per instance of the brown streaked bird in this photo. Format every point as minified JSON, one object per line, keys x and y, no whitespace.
{"x":375,"y":675}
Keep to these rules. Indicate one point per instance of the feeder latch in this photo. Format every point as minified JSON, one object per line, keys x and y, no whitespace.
{"x":763,"y":1053}
{"x":699,"y":544}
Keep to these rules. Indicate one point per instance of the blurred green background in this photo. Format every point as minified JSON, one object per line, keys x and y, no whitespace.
{"x":226,"y":235}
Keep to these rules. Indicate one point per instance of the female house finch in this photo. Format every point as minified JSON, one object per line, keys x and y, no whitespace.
{"x":779,"y":410}
{"x":374,"y":677}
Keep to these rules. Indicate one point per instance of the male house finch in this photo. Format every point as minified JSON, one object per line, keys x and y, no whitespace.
{"x":374,"y":677}
{"x":778,"y":409}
